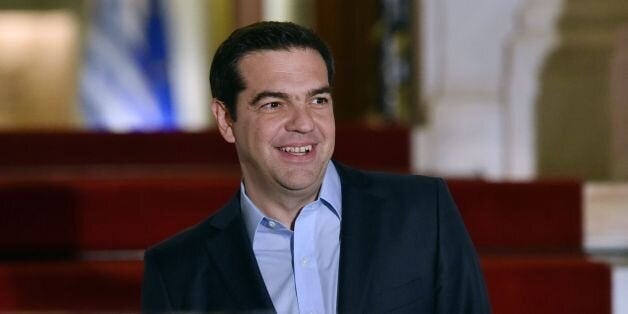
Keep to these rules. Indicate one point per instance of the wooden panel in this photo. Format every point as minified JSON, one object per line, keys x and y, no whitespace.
{"x":516,"y":284}
{"x":529,"y":216}
{"x":90,"y":287}
{"x":522,"y":284}
{"x":355,"y":145}
{"x":350,"y":29}
{"x":248,"y":12}
{"x":78,"y":214}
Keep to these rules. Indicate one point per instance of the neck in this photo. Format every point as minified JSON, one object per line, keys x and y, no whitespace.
{"x":284,"y":205}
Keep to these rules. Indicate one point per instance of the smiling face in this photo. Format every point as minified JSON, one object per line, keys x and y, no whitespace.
{"x":285,"y":131}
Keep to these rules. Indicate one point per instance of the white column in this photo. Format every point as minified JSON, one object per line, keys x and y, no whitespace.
{"x":533,"y":39}
{"x":605,"y":231}
{"x":189,"y":69}
{"x":620,"y":289}
{"x":606,"y":216}
{"x":481,"y":63}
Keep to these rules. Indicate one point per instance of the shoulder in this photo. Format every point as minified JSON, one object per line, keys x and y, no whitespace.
{"x":386,"y":182}
{"x":185,"y":243}
{"x":192,"y":241}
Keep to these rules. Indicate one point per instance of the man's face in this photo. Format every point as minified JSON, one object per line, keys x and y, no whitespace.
{"x":285,"y":131}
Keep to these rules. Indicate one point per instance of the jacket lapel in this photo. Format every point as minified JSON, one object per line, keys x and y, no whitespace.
{"x":360,"y":214}
{"x":231,"y":250}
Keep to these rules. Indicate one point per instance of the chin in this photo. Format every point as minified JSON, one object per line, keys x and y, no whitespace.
{"x":302,"y":177}
{"x":297,"y":185}
{"x":300,"y":182}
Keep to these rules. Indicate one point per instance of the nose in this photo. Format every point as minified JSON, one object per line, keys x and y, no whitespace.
{"x":300,"y":120}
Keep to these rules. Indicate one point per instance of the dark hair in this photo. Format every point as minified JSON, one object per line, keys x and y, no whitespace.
{"x":225,"y":80}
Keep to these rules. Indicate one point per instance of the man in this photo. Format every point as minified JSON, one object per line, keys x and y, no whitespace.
{"x":305,"y":234}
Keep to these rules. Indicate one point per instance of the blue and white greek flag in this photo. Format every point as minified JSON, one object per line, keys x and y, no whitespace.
{"x":124,"y":85}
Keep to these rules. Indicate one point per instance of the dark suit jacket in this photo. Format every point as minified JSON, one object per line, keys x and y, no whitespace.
{"x":403,"y":249}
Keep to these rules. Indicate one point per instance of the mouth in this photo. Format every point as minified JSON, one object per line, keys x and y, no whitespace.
{"x":296,"y":150}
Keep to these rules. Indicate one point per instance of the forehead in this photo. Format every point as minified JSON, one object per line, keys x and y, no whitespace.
{"x":296,"y":64}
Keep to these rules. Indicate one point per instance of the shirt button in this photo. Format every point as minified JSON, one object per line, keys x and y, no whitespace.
{"x":272,"y":224}
{"x":305,"y":261}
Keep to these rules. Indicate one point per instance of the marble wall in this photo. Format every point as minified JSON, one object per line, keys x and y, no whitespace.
{"x":521,"y":89}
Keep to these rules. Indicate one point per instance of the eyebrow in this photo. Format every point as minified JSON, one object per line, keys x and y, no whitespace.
{"x":263,"y":94}
{"x":322,"y":90}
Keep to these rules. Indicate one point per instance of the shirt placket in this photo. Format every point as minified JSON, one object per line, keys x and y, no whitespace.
{"x":306,"y":273}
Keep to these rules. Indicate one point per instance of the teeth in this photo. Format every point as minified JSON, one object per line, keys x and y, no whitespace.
{"x":297,"y":149}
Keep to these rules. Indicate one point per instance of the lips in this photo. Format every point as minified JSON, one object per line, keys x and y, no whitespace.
{"x":296,"y":150}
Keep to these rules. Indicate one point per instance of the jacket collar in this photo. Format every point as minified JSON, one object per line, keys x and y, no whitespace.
{"x":361,"y":211}
{"x":231,"y":250}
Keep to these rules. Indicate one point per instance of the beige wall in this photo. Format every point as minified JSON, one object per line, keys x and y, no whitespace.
{"x":38,"y":69}
{"x":619,"y":106}
{"x":574,"y":115}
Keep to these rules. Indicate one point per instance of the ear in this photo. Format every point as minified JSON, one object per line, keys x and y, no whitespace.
{"x":223,"y":120}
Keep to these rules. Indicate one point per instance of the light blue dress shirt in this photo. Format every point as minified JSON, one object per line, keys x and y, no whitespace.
{"x":300,"y":267}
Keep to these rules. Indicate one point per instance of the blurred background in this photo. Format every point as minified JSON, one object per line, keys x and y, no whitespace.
{"x":521,"y":104}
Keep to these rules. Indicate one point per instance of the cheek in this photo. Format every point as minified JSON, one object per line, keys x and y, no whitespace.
{"x":327,"y":124}
{"x":263,"y":132}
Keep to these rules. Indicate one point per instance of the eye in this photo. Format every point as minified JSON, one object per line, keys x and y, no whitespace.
{"x":320,"y":100}
{"x":270,"y":106}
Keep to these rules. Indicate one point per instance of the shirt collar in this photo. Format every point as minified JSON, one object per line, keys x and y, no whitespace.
{"x":330,"y":192}
{"x":330,"y":195}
